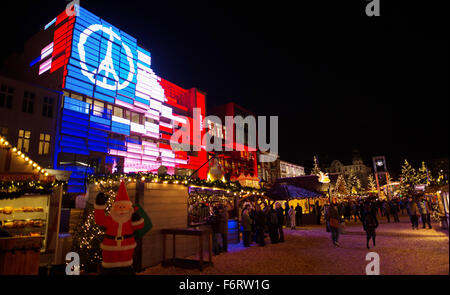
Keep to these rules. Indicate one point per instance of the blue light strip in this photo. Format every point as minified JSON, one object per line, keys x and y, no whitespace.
{"x":49,"y":24}
{"x":35,"y":61}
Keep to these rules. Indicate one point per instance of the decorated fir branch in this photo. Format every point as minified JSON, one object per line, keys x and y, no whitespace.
{"x":173,"y":179}
{"x":15,"y":189}
{"x":88,"y":235}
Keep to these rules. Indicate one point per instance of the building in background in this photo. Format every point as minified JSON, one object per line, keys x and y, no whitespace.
{"x":112,"y":113}
{"x":290,"y":170}
{"x":268,"y":167}
{"x":357,"y":167}
{"x":242,"y":162}
{"x":28,"y":115}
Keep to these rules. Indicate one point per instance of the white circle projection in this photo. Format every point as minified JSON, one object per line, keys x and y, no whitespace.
{"x":106,"y":66}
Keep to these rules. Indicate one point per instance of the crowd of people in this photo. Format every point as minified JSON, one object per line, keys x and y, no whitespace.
{"x":259,"y":220}
{"x":367,"y":211}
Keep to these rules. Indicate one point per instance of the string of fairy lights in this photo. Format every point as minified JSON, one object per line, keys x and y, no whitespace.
{"x":229,"y":188}
{"x":19,"y":154}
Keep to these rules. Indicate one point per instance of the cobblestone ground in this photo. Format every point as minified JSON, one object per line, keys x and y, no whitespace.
{"x":309,"y":251}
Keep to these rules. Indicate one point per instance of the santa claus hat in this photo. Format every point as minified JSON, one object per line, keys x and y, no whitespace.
{"x":122,"y":195}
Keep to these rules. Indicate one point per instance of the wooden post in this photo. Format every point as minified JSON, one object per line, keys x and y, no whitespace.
{"x":139,"y":199}
{"x":173,"y":249}
{"x":200,"y":239}
{"x":210,"y":246}
{"x":59,"y":193}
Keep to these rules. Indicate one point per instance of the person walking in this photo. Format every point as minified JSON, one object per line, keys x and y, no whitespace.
{"x":247,"y":227}
{"x":298,"y":214}
{"x":333,"y":219}
{"x":394,"y":211}
{"x":280,"y":216}
{"x":272,"y":222}
{"x":425,"y":211}
{"x":286,"y":214}
{"x":292,"y":217}
{"x":370,"y":224}
{"x":387,"y":211}
{"x":414,"y":212}
{"x":223,"y":226}
{"x":213,"y":221}
{"x":260,"y":223}
{"x":318,"y":211}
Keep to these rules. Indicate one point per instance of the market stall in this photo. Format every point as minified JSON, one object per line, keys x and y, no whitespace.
{"x":30,"y":202}
{"x":306,"y":191}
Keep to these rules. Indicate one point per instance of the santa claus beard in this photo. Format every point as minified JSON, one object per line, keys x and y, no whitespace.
{"x":121,"y":216}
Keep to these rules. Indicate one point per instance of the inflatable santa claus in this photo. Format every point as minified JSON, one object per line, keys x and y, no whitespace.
{"x":118,"y":242}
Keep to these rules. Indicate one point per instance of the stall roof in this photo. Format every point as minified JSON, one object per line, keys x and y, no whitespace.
{"x":310,"y":182}
{"x":288,"y":191}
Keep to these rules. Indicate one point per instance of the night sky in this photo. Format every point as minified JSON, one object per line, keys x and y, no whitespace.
{"x":337,"y":79}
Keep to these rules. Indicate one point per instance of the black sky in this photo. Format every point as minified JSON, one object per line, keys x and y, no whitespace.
{"x":337,"y":79}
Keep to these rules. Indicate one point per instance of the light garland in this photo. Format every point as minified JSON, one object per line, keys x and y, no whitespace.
{"x":19,"y":154}
{"x":219,"y":185}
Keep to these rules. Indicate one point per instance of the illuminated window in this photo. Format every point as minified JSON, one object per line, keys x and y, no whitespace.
{"x":44,"y":143}
{"x":4,"y":131}
{"x":76,"y":96}
{"x":118,"y":112}
{"x":47,"y":107}
{"x":6,"y":96}
{"x":135,"y":118}
{"x":23,"y":143}
{"x":28,"y":102}
{"x":126,"y":114}
{"x":98,"y":108}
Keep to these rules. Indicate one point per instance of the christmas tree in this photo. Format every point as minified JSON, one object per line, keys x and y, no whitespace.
{"x":316,"y":169}
{"x":371,"y":185}
{"x":352,"y":183}
{"x":408,"y":179}
{"x":88,"y":235}
{"x":422,"y":174}
{"x":358,"y":186}
{"x":340,"y":189}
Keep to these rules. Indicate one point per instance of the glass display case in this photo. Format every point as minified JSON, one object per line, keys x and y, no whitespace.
{"x":26,"y":216}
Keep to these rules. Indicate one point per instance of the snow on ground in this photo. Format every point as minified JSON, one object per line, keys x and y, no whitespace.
{"x":309,"y":251}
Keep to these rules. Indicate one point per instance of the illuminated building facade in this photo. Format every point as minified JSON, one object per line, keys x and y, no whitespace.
{"x":114,"y":113}
{"x":243,"y":160}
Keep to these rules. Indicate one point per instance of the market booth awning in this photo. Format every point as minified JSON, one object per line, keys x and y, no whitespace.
{"x":306,"y":186}
{"x":284,"y":191}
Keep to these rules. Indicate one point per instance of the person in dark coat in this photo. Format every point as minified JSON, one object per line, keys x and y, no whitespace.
{"x":298,"y":214}
{"x":260,"y":223}
{"x":370,"y":224}
{"x":213,"y":220}
{"x":318,"y":212}
{"x":280,"y":216}
{"x":272,"y":223}
{"x":387,"y":211}
{"x":333,"y":218}
{"x":286,"y":214}
{"x":247,"y":227}
{"x":394,"y":211}
{"x":223,"y":226}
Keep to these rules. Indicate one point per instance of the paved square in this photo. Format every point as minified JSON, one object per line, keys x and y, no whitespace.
{"x":309,"y":251}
